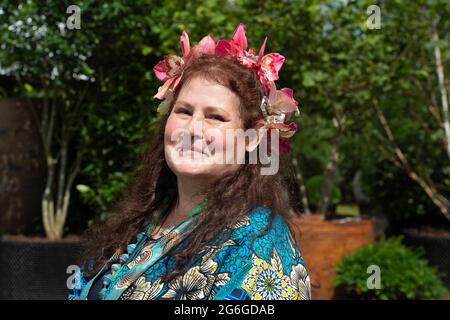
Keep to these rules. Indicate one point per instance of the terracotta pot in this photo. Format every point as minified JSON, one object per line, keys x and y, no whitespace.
{"x":323,"y":244}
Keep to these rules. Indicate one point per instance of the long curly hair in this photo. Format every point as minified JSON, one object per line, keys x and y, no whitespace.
{"x":228,"y":201}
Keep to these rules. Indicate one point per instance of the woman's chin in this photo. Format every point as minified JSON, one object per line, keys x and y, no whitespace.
{"x":195,"y":170}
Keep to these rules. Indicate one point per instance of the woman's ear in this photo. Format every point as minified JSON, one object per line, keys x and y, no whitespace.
{"x":256,"y":139}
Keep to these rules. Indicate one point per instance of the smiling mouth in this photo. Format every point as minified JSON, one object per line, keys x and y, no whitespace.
{"x":197,"y":150}
{"x":191,"y":149}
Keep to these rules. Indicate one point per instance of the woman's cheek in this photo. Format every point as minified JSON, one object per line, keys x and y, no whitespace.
{"x":226,"y":146}
{"x":171,"y":131}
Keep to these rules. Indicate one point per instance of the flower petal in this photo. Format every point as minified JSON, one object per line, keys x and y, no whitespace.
{"x":176,"y":82}
{"x":264,"y":81}
{"x":163,"y":89}
{"x":288,"y":92}
{"x":160,"y":70}
{"x":285,"y":146}
{"x":284,"y":126}
{"x":184,"y":45}
{"x":270,"y":64}
{"x":223,"y":48}
{"x":273,"y":91}
{"x":283,"y":100}
{"x":239,"y":37}
{"x":261,"y":50}
{"x":286,"y":130}
{"x":174,"y":65}
{"x":206,"y":46}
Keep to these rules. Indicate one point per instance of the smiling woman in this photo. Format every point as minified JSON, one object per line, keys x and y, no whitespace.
{"x":191,"y":227}
{"x":201,"y":106}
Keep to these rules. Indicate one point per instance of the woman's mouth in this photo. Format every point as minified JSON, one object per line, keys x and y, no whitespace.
{"x":191,"y":151}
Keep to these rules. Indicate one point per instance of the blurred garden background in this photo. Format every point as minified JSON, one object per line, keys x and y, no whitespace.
{"x":372,"y":154}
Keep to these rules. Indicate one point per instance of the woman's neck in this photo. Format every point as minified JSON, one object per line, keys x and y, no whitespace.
{"x":190,"y":195}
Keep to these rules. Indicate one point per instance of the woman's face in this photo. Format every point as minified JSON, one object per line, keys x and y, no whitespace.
{"x":195,"y":140}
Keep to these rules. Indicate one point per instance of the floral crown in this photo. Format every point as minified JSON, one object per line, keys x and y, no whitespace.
{"x":277,"y":106}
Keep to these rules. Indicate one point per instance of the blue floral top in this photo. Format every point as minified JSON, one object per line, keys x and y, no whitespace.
{"x":228,"y":269}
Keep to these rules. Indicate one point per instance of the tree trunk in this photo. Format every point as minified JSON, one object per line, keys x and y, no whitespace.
{"x":443,"y":90}
{"x":327,"y":184}
{"x":302,"y":186}
{"x":56,"y":196}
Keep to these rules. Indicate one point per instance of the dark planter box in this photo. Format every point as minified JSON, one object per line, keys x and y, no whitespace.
{"x":436,"y":250}
{"x":36,"y":268}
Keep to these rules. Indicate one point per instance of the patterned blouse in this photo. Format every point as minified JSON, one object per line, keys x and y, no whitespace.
{"x":228,"y":269}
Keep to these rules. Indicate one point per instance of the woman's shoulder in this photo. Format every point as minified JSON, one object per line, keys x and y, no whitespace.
{"x":264,"y":233}
{"x":264,"y":248}
{"x":260,"y":223}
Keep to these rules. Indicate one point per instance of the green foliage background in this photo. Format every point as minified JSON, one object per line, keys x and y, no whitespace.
{"x":404,"y":274}
{"x":333,"y":62}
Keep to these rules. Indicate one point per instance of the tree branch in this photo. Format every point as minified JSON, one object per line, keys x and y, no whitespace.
{"x":444,"y":97}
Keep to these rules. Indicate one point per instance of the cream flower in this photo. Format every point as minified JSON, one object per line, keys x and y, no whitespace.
{"x":300,"y":279}
{"x":188,"y":286}
{"x":145,"y":290}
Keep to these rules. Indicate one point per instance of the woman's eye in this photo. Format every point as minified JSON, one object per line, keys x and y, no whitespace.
{"x":184,"y":111}
{"x":216,"y":117}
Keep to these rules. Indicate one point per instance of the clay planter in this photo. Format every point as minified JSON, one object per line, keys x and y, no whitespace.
{"x":323,"y":244}
{"x":35,"y":268}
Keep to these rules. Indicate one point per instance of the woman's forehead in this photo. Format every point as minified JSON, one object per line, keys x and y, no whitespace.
{"x":200,"y":92}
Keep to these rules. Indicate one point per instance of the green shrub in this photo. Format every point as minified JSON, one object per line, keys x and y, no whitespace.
{"x":404,"y":274}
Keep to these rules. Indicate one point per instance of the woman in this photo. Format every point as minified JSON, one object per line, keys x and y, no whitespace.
{"x":202,"y":219}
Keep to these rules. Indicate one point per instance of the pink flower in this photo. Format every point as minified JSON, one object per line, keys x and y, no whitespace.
{"x":267,"y":66}
{"x":285,"y":146}
{"x":282,"y":101}
{"x":236,"y":48}
{"x":171,"y":68}
{"x":286,"y":130}
{"x":206,"y":46}
{"x":281,"y":104}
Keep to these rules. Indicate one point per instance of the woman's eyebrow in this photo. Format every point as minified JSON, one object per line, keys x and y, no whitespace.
{"x":184,"y":103}
{"x":215,"y":109}
{"x":207,"y":108}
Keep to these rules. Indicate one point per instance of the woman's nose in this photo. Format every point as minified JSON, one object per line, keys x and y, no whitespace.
{"x":196,"y":126}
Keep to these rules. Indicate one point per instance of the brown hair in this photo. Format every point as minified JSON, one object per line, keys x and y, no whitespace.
{"x":228,"y":201}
